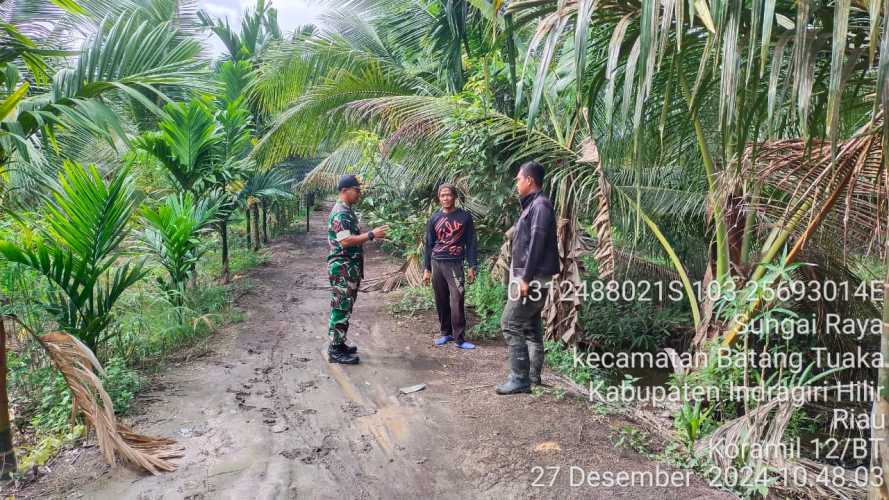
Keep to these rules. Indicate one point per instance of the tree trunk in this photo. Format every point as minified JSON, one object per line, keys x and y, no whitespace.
{"x":7,"y":452}
{"x":255,"y":209}
{"x":247,"y":219}
{"x":265,"y":229}
{"x":223,"y":235}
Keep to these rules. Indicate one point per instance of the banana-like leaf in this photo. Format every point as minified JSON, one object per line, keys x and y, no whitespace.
{"x":581,"y":36}
{"x":629,"y":79}
{"x":731,"y":61}
{"x":549,"y":49}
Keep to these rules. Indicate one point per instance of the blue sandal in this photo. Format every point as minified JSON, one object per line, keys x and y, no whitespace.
{"x":466,"y":345}
{"x":444,"y":339}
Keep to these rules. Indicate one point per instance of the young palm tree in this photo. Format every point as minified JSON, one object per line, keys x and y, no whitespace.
{"x":203,"y":147}
{"x":172,"y":236}
{"x":187,"y":144}
{"x":51,"y":109}
{"x":86,"y":218}
{"x":89,"y":100}
{"x":236,"y":123}
{"x":259,"y":27}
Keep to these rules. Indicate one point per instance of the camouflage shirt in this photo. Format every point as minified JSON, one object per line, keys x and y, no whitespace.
{"x":341,"y":224}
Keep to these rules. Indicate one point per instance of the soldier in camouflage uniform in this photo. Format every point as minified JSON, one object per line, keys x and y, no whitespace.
{"x":345,"y":266}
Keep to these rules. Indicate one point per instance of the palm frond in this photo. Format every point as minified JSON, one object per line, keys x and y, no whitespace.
{"x":79,"y":367}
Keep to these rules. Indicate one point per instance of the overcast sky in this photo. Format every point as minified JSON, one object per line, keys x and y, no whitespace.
{"x":291,"y":13}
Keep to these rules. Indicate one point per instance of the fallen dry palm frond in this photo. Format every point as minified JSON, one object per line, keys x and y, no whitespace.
{"x":796,"y":170}
{"x":79,"y":367}
{"x":762,"y":429}
{"x":409,"y":272}
{"x":805,"y":183}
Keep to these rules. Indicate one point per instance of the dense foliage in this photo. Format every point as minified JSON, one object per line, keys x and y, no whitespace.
{"x":125,"y":150}
{"x":711,"y":145}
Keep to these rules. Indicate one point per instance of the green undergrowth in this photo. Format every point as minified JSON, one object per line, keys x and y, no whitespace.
{"x":485,"y":297}
{"x":146,"y":333}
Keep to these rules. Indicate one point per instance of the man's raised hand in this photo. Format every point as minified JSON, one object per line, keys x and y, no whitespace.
{"x":380,"y":232}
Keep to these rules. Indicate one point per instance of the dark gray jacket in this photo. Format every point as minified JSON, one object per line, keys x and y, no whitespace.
{"x":535,"y":252}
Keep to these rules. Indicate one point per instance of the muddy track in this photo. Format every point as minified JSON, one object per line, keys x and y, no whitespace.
{"x":264,"y":416}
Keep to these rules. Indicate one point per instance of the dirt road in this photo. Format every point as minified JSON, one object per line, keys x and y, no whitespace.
{"x":264,"y":416}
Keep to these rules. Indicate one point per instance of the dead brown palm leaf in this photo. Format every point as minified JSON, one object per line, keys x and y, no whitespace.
{"x":809,"y":182}
{"x":500,"y":267}
{"x":604,"y":252}
{"x":764,"y":427}
{"x":561,"y":313}
{"x":80,"y":367}
{"x":409,"y":273}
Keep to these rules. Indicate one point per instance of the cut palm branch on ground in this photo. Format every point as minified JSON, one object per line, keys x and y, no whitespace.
{"x":409,"y":274}
{"x":80,"y":368}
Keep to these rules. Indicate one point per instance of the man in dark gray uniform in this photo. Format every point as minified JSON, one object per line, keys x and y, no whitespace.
{"x":535,"y":259}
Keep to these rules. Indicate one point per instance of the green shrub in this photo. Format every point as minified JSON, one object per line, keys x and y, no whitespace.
{"x":693,"y":422}
{"x":561,"y":360}
{"x":631,"y":326}
{"x":121,"y":383}
{"x":487,"y":297}
{"x":413,"y":300}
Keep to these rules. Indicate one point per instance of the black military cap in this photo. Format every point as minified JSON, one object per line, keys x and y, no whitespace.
{"x":348,"y":181}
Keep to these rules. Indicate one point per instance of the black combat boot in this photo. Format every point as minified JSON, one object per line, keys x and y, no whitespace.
{"x":339,"y":353}
{"x":518,"y":381}
{"x":535,"y":353}
{"x":351,"y":349}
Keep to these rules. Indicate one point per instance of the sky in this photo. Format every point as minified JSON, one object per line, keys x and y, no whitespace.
{"x":291,"y":13}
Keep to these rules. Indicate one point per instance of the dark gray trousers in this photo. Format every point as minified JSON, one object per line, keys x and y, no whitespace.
{"x":523,"y":330}
{"x":448,"y":289}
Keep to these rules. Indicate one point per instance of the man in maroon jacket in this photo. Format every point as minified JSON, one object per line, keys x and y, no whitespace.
{"x":450,"y":239}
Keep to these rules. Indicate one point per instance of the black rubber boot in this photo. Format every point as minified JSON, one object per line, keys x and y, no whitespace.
{"x":517,"y":382}
{"x":340,"y":354}
{"x":535,"y":354}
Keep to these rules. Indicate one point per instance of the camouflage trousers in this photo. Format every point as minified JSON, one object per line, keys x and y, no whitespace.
{"x":345,"y":277}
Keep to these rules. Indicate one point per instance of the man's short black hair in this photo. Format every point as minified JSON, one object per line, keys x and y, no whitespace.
{"x":452,"y":188}
{"x":533,"y":170}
